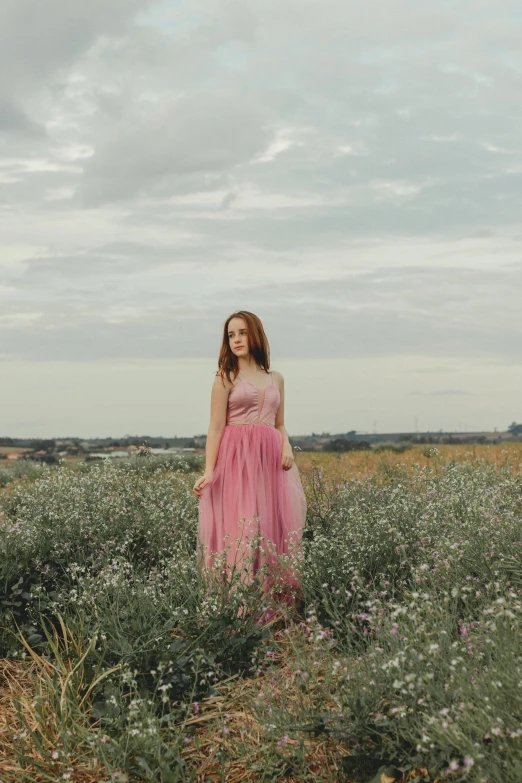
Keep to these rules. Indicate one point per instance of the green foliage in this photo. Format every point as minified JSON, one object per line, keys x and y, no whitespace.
{"x":20,"y":470}
{"x":396,"y":448}
{"x":344,"y":444}
{"x":408,"y":651}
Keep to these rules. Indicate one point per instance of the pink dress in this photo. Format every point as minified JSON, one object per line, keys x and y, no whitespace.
{"x":250,"y":493}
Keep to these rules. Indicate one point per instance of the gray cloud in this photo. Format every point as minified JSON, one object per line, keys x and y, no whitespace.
{"x":135,"y":300}
{"x":164,"y":164}
{"x":183,"y":147}
{"x":14,"y":120}
{"x":39,"y":39}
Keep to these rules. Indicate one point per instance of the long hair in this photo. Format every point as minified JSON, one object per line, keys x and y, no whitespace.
{"x":257,"y":342}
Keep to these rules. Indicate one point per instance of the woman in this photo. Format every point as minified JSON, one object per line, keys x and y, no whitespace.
{"x":252,"y":505}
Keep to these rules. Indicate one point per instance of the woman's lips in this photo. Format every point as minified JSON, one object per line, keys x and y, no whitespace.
{"x":238,"y":347}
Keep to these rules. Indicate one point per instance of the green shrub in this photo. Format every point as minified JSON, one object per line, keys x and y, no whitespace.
{"x":21,"y":469}
{"x":396,"y":448}
{"x":408,"y":650}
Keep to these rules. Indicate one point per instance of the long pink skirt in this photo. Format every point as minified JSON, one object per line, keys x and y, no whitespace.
{"x":250,"y":497}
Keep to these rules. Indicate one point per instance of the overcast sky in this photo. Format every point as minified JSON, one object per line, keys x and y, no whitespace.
{"x":351,"y":172}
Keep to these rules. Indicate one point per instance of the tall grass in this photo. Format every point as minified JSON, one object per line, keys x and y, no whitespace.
{"x":20,"y":469}
{"x":403,"y":651}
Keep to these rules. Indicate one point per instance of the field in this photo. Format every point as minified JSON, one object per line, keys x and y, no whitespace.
{"x":362,"y":464}
{"x":400,"y":660}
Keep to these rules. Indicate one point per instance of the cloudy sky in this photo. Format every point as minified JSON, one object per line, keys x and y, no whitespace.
{"x":351,"y":172}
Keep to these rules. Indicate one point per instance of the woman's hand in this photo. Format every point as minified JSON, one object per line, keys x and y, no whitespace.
{"x":202,"y":482}
{"x":287,"y":458}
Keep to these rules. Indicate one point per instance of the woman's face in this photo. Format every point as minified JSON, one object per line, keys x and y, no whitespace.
{"x":237,"y":337}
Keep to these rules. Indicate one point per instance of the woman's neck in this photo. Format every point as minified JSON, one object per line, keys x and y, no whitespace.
{"x":249,"y":367}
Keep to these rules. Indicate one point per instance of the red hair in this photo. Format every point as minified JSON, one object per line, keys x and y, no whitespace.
{"x":257,"y":342}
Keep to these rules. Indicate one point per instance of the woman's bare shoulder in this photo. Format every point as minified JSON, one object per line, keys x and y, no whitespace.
{"x":278,"y":378}
{"x":221,"y":381}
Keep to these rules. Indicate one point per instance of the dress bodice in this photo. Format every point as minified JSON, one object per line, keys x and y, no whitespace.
{"x":247,"y":403}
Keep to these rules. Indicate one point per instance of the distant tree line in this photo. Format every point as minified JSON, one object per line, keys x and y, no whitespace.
{"x":343,"y":444}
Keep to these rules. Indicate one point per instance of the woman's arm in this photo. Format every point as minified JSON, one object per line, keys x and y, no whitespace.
{"x":218,"y":418}
{"x":287,"y":456}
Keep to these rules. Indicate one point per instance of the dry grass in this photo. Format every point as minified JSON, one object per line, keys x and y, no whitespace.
{"x":361,"y":464}
{"x":21,"y":689}
{"x":43,"y":715}
{"x":227,"y":742}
